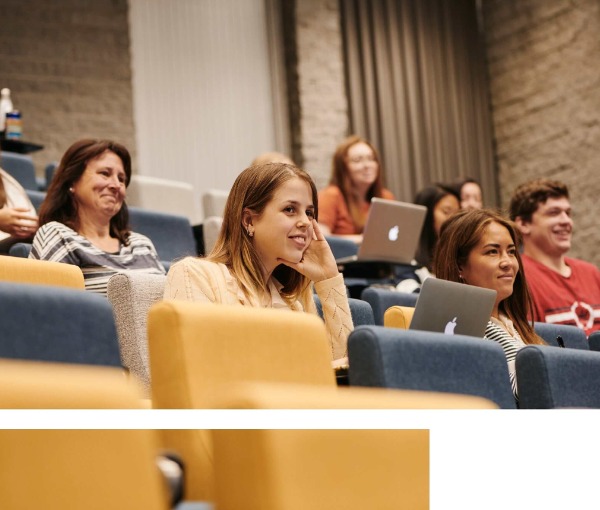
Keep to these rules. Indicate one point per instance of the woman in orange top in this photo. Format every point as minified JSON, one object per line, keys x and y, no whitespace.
{"x":355,"y":179}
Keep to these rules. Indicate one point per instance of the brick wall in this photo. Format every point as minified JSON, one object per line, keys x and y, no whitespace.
{"x":544,"y":67}
{"x":323,"y":107}
{"x":68,"y":67}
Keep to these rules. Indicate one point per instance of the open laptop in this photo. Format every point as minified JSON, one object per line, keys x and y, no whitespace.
{"x":391,"y":233}
{"x":453,"y":308}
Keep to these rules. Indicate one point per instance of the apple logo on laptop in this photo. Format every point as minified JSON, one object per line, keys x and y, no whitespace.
{"x":449,"y":329}
{"x":393,"y":233}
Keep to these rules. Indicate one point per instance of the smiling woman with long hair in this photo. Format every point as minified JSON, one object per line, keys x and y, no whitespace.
{"x":356,"y":177}
{"x":269,"y":253}
{"x":480,"y":247}
{"x":84,"y":219}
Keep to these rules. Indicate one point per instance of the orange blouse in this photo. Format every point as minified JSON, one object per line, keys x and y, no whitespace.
{"x":334,"y":213}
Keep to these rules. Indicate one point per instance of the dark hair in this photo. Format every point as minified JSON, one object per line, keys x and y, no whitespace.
{"x":458,"y":236}
{"x":429,"y":197}
{"x":528,"y":196}
{"x":253,"y":190}
{"x":340,"y":177}
{"x":59,"y":204}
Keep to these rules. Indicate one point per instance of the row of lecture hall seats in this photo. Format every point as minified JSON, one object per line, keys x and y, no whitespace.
{"x":45,"y":322}
{"x":181,"y":355}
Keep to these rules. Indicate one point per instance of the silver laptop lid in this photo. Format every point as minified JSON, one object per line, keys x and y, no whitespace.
{"x":391,"y":233}
{"x":453,"y":308}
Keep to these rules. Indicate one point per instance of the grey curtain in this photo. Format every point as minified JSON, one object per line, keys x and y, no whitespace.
{"x":417,"y":88}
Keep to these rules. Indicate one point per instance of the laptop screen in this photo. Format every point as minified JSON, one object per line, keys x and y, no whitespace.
{"x":453,"y":308}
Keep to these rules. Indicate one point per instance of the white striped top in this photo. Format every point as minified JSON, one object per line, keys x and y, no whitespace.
{"x":56,"y":242}
{"x":498,"y":331}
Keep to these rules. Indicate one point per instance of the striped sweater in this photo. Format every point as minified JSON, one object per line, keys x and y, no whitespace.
{"x":511,"y":345}
{"x":59,"y":243}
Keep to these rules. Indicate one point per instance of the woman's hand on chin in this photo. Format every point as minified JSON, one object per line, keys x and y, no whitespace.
{"x":318,"y":262}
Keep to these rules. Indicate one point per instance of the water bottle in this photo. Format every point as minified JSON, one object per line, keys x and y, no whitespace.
{"x":5,"y":107}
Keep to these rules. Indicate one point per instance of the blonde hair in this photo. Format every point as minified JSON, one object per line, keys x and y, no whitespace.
{"x":253,"y":190}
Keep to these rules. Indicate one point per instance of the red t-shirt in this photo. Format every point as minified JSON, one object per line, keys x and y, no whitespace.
{"x":334,"y":212}
{"x":560,"y":300}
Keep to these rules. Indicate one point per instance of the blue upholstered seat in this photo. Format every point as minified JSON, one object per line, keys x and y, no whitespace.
{"x":341,"y":247}
{"x":57,"y":324}
{"x":36,"y":197}
{"x":20,"y":250}
{"x":594,"y":341}
{"x":381,"y":299}
{"x":171,"y":235}
{"x":573,"y":337}
{"x":420,"y":360}
{"x":21,"y":168}
{"x":550,"y":378}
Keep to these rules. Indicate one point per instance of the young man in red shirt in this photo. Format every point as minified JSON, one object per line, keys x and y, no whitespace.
{"x":564,"y":290}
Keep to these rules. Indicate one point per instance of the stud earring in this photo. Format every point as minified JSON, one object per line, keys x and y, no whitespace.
{"x":250,"y":231}
{"x":71,"y":190}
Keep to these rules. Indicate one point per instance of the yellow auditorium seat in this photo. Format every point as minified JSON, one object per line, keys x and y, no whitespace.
{"x":321,"y":469}
{"x":46,"y":385}
{"x":398,"y":316}
{"x":74,"y":469}
{"x":197,"y":349}
{"x":40,"y":272}
{"x":80,"y":469}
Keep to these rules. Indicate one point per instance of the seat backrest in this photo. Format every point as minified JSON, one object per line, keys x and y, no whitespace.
{"x":40,"y":272}
{"x":213,"y":202}
{"x":46,"y":385}
{"x":550,"y":378}
{"x":321,"y":469}
{"x":398,"y":317}
{"x":47,"y":323}
{"x":381,"y":299}
{"x":362,"y":314}
{"x":131,"y":296}
{"x":594,"y":341}
{"x":573,"y":337}
{"x":91,"y":469}
{"x":211,"y":227}
{"x":341,"y":247}
{"x":196,"y":348}
{"x":49,"y":172}
{"x":171,"y":235}
{"x":20,"y":167}
{"x":36,"y":197}
{"x":21,"y":250}
{"x":421,"y":360}
{"x":164,"y":195}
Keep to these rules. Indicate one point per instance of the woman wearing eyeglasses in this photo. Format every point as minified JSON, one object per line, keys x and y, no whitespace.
{"x":356,"y":178}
